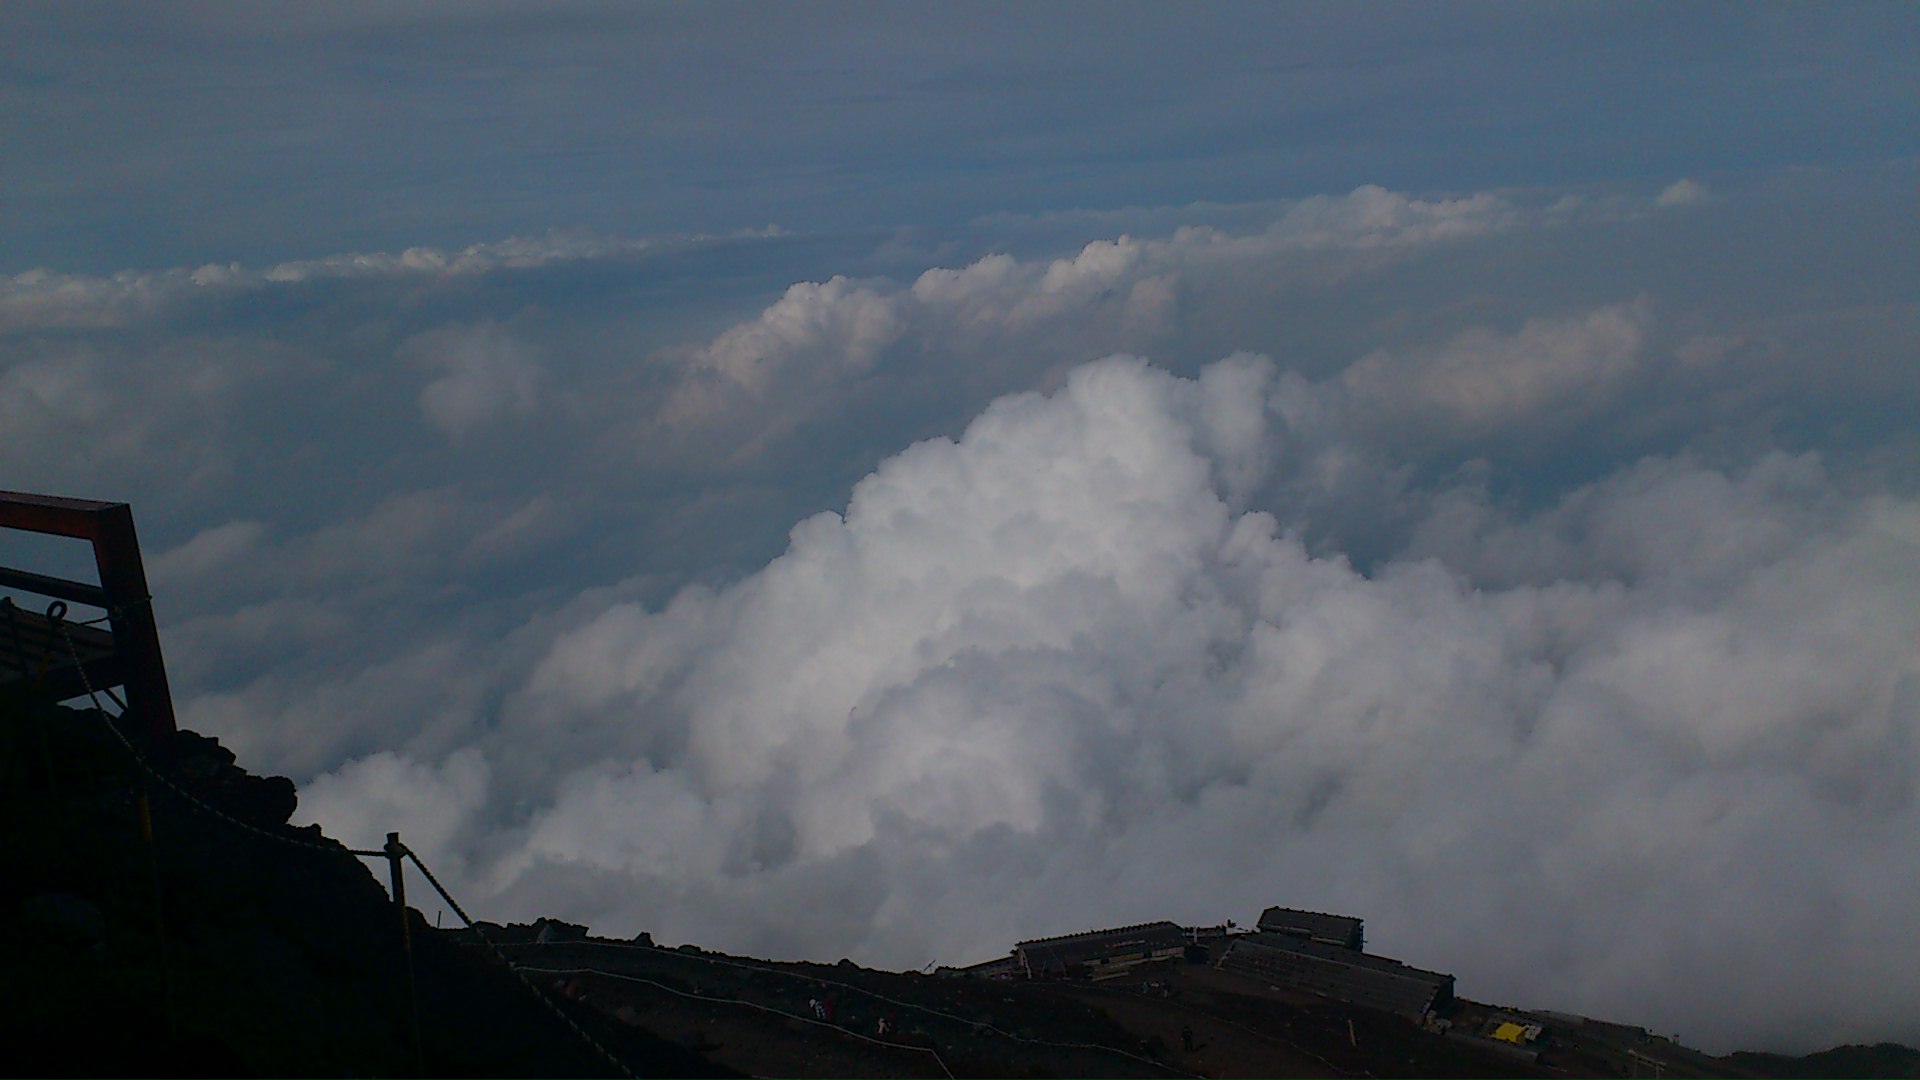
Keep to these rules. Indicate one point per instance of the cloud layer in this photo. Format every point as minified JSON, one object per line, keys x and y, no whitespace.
{"x":1513,"y":569}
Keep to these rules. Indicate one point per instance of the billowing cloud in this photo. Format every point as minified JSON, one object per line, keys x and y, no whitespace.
{"x":827,"y":346}
{"x":1522,"y":558}
{"x":1049,"y":674}
{"x":382,"y":788}
{"x":1530,"y":578}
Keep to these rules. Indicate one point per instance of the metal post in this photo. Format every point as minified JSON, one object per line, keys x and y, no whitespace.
{"x":116,"y":553}
{"x":144,"y":807}
{"x":395,"y":851}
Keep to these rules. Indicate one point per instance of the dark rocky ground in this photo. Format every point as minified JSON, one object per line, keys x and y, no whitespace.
{"x":215,"y":951}
{"x":751,"y":1015}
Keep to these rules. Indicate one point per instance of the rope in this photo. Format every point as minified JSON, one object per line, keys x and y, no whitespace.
{"x":532,"y":987}
{"x":872,"y":994}
{"x":751,"y":1005}
{"x":191,"y":799}
{"x":115,"y":611}
{"x":112,"y":611}
{"x":1255,"y":1032}
{"x":517,"y":969}
{"x":256,"y":830}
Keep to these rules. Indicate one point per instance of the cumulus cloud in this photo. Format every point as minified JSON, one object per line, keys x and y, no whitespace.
{"x":382,"y":788}
{"x":1503,"y":585}
{"x":1485,"y":378}
{"x":1051,"y":674}
{"x":824,"y":346}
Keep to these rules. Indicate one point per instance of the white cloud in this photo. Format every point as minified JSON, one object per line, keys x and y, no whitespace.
{"x":361,"y":802}
{"x":1049,"y":675}
{"x":488,"y":375}
{"x":44,"y":299}
{"x":513,"y":253}
{"x":1372,"y":216}
{"x":1683,"y":192}
{"x":1324,"y":623}
{"x":87,"y":416}
{"x":210,"y":551}
{"x":837,"y":325}
{"x":986,"y":322}
{"x":1483,"y":378}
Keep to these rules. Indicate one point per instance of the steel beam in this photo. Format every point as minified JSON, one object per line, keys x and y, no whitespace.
{"x":122,"y":591}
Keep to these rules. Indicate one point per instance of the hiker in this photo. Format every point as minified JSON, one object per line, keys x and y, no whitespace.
{"x":1186,"y":1038}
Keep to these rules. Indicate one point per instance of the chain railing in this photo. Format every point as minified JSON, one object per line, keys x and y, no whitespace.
{"x":874,"y":994}
{"x":393,"y":852}
{"x":839,"y":1029}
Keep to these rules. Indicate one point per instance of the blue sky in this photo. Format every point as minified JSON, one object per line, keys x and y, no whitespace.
{"x":204,"y":132}
{"x":886,"y":481}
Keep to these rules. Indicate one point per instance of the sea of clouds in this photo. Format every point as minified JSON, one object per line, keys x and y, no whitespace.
{"x":1533,"y":574}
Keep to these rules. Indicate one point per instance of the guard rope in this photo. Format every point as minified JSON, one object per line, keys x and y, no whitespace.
{"x":1255,"y":1032}
{"x":249,"y":827}
{"x":843,"y":1030}
{"x":191,"y":799}
{"x":519,"y":970}
{"x":533,"y":987}
{"x":875,"y":994}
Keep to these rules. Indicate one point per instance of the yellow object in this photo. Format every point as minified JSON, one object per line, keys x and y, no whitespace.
{"x":1510,"y":1032}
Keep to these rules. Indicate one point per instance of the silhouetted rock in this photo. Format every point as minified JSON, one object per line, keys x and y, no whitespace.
{"x":220,"y":952}
{"x":551,"y":931}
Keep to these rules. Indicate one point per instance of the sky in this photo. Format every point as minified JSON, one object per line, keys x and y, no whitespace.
{"x":888,"y":481}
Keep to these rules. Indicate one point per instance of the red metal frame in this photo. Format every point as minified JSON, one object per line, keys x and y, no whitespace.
{"x":122,"y":591}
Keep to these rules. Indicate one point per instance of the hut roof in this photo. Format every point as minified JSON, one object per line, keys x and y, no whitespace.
{"x":1068,"y":950}
{"x":1316,"y":925}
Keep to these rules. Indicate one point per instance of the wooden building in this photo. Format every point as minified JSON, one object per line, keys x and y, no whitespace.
{"x":1342,"y":930}
{"x":1335,"y":971}
{"x":1099,"y":954}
